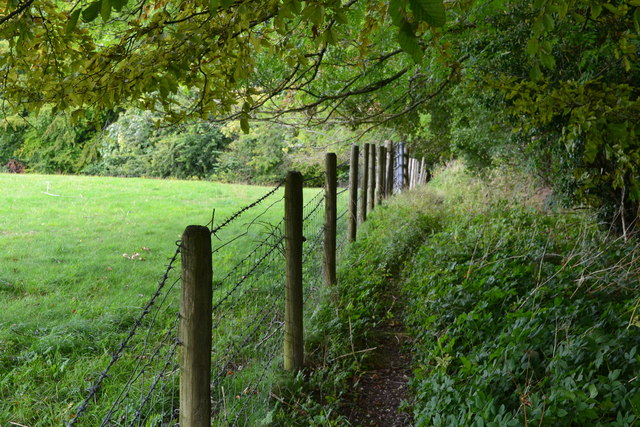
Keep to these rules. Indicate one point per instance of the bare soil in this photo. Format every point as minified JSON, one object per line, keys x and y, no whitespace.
{"x":379,"y":392}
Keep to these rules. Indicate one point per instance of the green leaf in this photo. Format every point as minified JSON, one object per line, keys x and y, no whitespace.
{"x":73,"y":21}
{"x":105,"y":10}
{"x":244,"y":124}
{"x":548,"y":61}
{"x":330,"y":36}
{"x":91,"y":12}
{"x":593,"y":391}
{"x":535,"y":74}
{"x":611,"y":8}
{"x":409,"y":42}
{"x":118,"y":4}
{"x":430,"y":11}
{"x":636,"y":19}
{"x":596,"y":10}
{"x":533,"y":46}
{"x":635,"y":404}
{"x":213,"y":6}
{"x":548,"y":22}
{"x":396,"y":12}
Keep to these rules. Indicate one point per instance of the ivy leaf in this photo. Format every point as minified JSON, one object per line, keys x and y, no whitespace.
{"x":535,"y":74}
{"x":105,"y":10}
{"x":91,"y":12}
{"x":73,"y":21}
{"x":430,"y":11}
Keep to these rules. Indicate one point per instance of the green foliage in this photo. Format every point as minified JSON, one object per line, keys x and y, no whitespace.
{"x":524,"y":318}
{"x":353,"y":308}
{"x":211,"y":47}
{"x":259,"y":156}
{"x":11,"y":138}
{"x":53,"y":143}
{"x":135,"y":146}
{"x":550,"y":86}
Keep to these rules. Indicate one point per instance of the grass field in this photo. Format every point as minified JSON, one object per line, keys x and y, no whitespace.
{"x":79,"y":256}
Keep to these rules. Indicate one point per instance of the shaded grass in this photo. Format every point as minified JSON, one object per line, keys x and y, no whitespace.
{"x":68,"y":293}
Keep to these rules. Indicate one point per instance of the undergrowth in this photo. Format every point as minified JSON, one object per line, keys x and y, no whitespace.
{"x":341,"y":333}
{"x":524,"y":317}
{"x":520,"y":315}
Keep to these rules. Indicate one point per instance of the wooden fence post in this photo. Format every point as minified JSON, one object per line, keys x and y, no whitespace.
{"x":365,"y":184}
{"x":293,"y":332}
{"x":195,"y":328}
{"x":353,"y":194}
{"x":390,"y":169}
{"x":330,"y":218}
{"x":372,"y":177}
{"x":382,"y":165}
{"x":405,"y":167}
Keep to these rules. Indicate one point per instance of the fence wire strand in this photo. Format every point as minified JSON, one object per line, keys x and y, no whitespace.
{"x":248,"y":322}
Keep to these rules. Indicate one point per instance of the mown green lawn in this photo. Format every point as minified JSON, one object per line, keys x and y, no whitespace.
{"x":67,"y":289}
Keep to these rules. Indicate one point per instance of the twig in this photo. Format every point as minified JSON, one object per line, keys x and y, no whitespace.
{"x":353,"y":353}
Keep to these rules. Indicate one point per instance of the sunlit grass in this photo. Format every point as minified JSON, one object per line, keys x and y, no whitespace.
{"x":79,"y":256}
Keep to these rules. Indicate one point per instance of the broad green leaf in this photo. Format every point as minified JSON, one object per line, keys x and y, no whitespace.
{"x":396,"y":12}
{"x":118,"y":4}
{"x":596,"y":10}
{"x":430,"y":11}
{"x":91,"y":12}
{"x":73,"y":21}
{"x":593,"y":391}
{"x":105,"y":10}
{"x":213,"y":6}
{"x":409,"y":43}
{"x":611,"y":8}
{"x":538,"y":27}
{"x":635,"y":403}
{"x":548,"y":61}
{"x":244,"y":124}
{"x":636,"y":19}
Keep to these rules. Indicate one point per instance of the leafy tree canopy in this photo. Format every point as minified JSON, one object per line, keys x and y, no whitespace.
{"x":232,"y":56}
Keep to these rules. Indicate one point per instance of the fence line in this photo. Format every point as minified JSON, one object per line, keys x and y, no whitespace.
{"x":247,"y":302}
